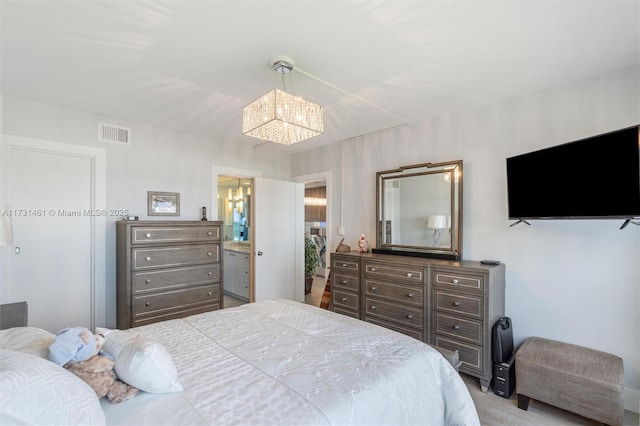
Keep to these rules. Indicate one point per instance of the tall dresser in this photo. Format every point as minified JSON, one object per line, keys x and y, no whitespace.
{"x":450,"y":304}
{"x":166,"y":270}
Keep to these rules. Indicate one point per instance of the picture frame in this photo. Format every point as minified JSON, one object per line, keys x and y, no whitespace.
{"x":163,"y":203}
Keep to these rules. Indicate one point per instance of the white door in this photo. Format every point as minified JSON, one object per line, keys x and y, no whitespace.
{"x":279,"y":240}
{"x":53,"y":261}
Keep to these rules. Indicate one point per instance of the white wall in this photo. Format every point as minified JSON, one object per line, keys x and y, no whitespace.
{"x":156,"y":160}
{"x":576,"y":281}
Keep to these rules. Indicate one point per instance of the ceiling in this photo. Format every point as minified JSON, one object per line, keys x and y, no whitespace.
{"x":191,"y":66}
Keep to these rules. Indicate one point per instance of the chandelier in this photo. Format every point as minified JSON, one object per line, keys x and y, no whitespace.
{"x":281,"y":117}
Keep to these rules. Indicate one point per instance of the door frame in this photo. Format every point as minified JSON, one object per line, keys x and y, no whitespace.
{"x":97,"y":157}
{"x":217,"y":171}
{"x":312,"y":177}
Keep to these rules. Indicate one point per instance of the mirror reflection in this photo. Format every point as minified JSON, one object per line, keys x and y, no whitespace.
{"x":419,"y":210}
{"x":234,"y":207}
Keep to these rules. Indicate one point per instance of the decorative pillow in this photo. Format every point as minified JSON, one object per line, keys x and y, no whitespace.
{"x":31,"y":340}
{"x":35,"y":391}
{"x":141,"y":362}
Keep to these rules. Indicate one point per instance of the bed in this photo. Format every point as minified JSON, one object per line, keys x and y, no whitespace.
{"x":283,"y":362}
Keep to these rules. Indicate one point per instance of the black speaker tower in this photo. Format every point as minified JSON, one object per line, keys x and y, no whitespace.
{"x":503,"y":354}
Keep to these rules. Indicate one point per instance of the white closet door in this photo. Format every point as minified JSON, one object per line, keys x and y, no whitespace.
{"x":53,"y":259}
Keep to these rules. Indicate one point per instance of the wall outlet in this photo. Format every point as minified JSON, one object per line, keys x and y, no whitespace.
{"x":341,"y":230}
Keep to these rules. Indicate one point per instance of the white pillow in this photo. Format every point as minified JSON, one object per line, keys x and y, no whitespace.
{"x":141,"y":362}
{"x":36,"y":391}
{"x":31,"y":340}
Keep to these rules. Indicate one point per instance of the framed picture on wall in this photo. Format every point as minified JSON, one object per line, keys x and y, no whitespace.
{"x":163,"y":203}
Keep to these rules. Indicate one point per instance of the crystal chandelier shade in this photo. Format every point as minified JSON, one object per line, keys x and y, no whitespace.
{"x":281,"y":117}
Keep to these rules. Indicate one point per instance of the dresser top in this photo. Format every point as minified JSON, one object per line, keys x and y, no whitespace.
{"x":420,"y":261}
{"x":168,"y":222}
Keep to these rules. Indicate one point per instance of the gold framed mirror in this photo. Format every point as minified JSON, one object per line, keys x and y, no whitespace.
{"x":419,"y":210}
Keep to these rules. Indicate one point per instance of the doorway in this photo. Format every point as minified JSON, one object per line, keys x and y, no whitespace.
{"x":235,"y":212}
{"x":276,"y":226}
{"x":315,"y":223}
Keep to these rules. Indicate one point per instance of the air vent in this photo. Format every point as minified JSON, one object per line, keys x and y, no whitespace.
{"x":116,"y":134}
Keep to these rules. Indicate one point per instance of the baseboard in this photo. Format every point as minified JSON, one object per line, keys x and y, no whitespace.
{"x":632,"y":400}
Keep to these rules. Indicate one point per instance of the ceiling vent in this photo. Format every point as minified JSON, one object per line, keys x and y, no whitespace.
{"x":112,"y":133}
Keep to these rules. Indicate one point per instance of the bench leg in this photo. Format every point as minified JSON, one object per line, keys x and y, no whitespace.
{"x":523,"y":402}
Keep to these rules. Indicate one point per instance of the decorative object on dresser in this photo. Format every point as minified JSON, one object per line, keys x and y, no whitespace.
{"x":449,"y":304}
{"x":167,"y":269}
{"x":163,"y":203}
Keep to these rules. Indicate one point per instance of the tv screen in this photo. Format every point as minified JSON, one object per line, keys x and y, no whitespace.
{"x":597,"y":177}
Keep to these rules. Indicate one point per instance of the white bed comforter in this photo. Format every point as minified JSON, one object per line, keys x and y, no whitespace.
{"x":283,"y":363}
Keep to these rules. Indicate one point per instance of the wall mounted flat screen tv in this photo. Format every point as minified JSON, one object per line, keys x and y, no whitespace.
{"x":592,"y":178}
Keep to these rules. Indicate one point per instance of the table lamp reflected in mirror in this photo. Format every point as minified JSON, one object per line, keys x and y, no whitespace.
{"x":437,"y":222}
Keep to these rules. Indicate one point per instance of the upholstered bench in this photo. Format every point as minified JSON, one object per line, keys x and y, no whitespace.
{"x":577,"y":379}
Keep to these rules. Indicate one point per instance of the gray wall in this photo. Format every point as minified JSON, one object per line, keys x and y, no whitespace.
{"x":577,"y":281}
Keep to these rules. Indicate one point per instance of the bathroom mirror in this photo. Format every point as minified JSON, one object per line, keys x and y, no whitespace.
{"x":419,"y":210}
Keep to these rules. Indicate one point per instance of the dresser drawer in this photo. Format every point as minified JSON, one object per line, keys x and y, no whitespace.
{"x":411,"y":332}
{"x":402,"y":273}
{"x":346,"y":299}
{"x":175,"y":278}
{"x":350,"y":282}
{"x":181,"y":312}
{"x":410,"y":295}
{"x":174,"y":234}
{"x":472,"y":356}
{"x":345,"y":266}
{"x":470,"y":305}
{"x":169,"y":300}
{"x":147,"y":258}
{"x":347,"y":312}
{"x":459,"y":328}
{"x":400,"y":314}
{"x":460,"y":281}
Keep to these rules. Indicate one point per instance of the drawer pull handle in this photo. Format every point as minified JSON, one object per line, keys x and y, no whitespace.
{"x":373,"y":307}
{"x":345,"y":282}
{"x":374,"y":288}
{"x":456,"y":327}
{"x":209,"y":233}
{"x":147,"y":281}
{"x":148,"y":258}
{"x":209,"y":273}
{"x":456,"y":303}
{"x":208,"y":293}
{"x":373,"y":269}
{"x":409,"y":316}
{"x":344,"y":265}
{"x":209,"y":253}
{"x":148,"y":235}
{"x":409,"y":274}
{"x":344,"y":299}
{"x":455,"y":281}
{"x":410,"y":295}
{"x":147,"y":304}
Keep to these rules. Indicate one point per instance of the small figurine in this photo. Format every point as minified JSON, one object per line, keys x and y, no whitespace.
{"x":362,"y":245}
{"x":204,"y":214}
